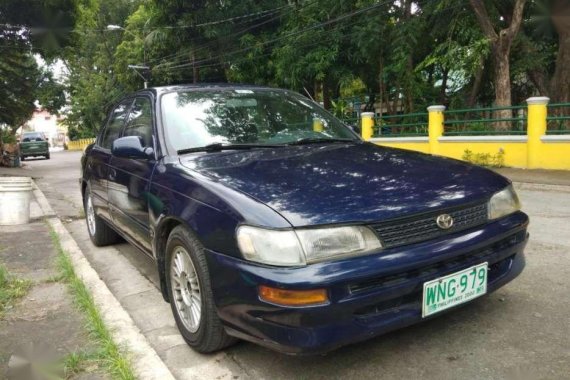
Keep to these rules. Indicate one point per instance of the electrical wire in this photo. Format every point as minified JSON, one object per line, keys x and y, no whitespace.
{"x":235,"y":34}
{"x":287,"y":35}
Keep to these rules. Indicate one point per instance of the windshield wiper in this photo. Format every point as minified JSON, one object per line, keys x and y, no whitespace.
{"x":316,"y":140}
{"x":218,"y":147}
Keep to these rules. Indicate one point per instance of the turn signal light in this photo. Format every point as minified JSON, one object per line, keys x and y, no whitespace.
{"x":293,"y":297}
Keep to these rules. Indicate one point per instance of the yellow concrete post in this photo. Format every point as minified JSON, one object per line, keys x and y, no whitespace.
{"x":536,"y":128}
{"x":367,"y":125}
{"x":435,"y":127}
{"x":317,"y":125}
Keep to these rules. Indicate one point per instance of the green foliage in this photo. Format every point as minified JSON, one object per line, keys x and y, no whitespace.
{"x":405,"y":54}
{"x":11,"y":289}
{"x":485,"y":159}
{"x":77,"y":132}
{"x":92,"y":82}
{"x":50,"y":94}
{"x":23,"y":82}
{"x":20,"y":76}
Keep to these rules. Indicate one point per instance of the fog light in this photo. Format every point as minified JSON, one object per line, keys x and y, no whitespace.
{"x":293,"y":297}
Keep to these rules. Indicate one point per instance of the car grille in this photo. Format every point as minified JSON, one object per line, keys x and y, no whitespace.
{"x":446,"y":266}
{"x":424,"y":227}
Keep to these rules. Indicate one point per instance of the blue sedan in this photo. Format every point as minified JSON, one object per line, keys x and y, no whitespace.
{"x":271,"y":221}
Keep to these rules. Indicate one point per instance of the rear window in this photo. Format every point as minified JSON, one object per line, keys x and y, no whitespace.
{"x":33,"y":136}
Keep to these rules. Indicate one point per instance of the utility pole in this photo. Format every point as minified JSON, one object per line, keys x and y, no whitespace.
{"x":143,"y":70}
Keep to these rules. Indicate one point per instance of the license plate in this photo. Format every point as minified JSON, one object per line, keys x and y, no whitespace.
{"x":454,"y":289}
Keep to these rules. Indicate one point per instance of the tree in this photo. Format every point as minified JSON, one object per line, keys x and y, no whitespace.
{"x":19,"y":76}
{"x":92,"y":81}
{"x":501,"y":43}
{"x":26,"y":31}
{"x":560,"y":82}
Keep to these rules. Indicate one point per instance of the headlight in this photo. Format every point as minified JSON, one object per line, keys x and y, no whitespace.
{"x":303,"y":246}
{"x":503,"y":203}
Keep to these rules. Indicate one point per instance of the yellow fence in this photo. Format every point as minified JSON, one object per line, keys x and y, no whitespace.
{"x":80,"y":144}
{"x":535,"y":150}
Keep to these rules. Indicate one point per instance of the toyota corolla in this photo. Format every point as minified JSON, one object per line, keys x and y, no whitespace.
{"x":271,"y":221}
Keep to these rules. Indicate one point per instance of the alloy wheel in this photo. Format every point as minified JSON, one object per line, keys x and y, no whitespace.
{"x":91,"y":225}
{"x":186,"y":289}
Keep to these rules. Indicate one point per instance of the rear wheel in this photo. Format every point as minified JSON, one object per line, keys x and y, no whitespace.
{"x":22,"y":158}
{"x":190,"y":293}
{"x":99,"y":232}
{"x":47,"y":156}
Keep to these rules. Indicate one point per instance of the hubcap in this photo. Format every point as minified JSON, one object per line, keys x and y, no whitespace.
{"x":90,"y":216}
{"x":186,"y":289}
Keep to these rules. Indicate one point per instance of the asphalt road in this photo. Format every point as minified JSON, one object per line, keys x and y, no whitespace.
{"x":521,"y":331}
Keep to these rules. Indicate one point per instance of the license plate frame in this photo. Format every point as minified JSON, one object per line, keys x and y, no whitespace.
{"x":438,"y":295}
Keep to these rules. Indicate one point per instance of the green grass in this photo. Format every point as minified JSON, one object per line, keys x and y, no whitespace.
{"x":108,"y":354}
{"x":11,"y":289}
{"x":77,"y":362}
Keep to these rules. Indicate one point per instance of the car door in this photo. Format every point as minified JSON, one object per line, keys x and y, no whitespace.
{"x":129,"y":178}
{"x":99,"y":157}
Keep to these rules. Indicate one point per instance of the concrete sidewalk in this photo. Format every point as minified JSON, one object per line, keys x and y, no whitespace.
{"x":43,"y":325}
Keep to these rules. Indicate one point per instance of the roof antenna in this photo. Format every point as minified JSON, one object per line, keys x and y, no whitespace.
{"x":308,"y":94}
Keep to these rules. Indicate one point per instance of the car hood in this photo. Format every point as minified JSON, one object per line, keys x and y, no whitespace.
{"x":347,"y":182}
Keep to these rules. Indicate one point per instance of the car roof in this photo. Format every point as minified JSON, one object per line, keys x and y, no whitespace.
{"x":205,"y":86}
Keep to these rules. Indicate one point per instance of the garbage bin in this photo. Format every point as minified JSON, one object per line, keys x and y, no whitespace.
{"x":15,"y":193}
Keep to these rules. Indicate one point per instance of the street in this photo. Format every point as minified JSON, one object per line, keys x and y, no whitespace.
{"x":520,"y":331}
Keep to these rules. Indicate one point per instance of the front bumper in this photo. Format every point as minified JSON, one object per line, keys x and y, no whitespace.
{"x":369,"y":295}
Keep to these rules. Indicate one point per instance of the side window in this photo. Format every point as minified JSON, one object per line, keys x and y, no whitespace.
{"x":140,"y":121}
{"x":115,"y":124}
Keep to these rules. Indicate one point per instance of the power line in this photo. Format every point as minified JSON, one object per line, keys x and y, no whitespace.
{"x":208,"y":44}
{"x":213,"y":22}
{"x":315,"y":41}
{"x":241,"y":32}
{"x":202,"y":63}
{"x":287,"y":35}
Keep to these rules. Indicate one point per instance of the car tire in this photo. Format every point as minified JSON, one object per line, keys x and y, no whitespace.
{"x":22,"y":158}
{"x":190,"y":294}
{"x":99,"y":232}
{"x":47,"y":156}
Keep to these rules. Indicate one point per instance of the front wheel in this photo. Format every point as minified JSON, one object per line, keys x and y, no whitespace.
{"x":190,"y":293}
{"x":99,"y":232}
{"x":22,"y":158}
{"x":47,"y":156}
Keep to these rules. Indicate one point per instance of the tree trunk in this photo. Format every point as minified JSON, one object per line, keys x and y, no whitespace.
{"x":501,"y":47}
{"x":443,"y":89}
{"x":381,"y":85}
{"x":560,"y":82}
{"x":502,"y":84}
{"x":472,"y":100}
{"x":326,"y":94}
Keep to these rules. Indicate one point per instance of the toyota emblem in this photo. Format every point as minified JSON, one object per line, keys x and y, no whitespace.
{"x":444,"y":221}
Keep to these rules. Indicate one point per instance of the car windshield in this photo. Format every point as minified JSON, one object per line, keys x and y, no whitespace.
{"x":194,"y":119}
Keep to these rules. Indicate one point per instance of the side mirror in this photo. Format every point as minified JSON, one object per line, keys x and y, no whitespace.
{"x":131,"y":147}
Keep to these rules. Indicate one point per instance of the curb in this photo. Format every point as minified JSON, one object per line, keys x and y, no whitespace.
{"x":146,"y":362}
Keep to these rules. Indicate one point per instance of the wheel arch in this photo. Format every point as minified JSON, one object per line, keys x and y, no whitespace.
{"x":83,"y":189}
{"x":161,"y":234}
